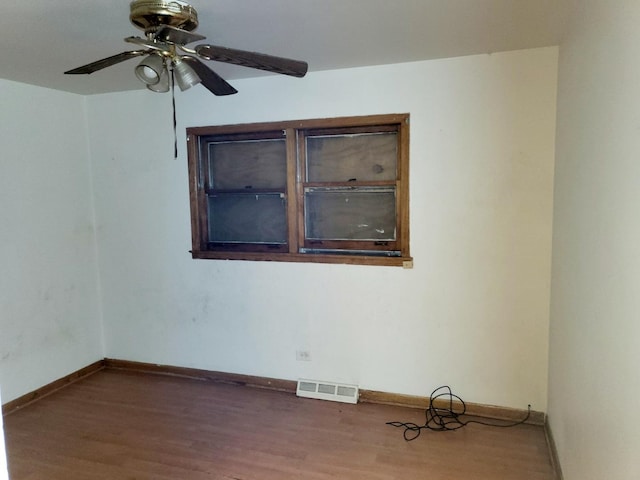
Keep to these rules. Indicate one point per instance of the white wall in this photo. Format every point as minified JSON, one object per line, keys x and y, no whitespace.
{"x":595,"y":324}
{"x":49,"y":315}
{"x":473,"y":313}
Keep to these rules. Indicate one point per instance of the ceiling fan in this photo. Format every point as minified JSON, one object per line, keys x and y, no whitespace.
{"x":168,"y":26}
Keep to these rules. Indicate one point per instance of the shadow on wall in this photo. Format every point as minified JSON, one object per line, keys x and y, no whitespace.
{"x":4,"y":474}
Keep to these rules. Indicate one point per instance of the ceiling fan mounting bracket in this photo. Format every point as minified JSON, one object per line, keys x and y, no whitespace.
{"x":149,"y":15}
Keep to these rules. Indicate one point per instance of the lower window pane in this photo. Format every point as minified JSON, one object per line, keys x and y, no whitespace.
{"x":246,"y":218}
{"x":350,"y":214}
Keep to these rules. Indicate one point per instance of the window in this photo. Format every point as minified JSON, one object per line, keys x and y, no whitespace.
{"x":326,"y":190}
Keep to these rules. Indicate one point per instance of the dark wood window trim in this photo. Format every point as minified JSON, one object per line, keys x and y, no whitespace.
{"x":297,"y":248}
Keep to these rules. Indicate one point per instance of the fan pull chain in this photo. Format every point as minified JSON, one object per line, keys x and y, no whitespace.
{"x":173,"y":102}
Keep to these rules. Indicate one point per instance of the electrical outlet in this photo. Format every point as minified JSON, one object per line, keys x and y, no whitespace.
{"x":303,"y":356}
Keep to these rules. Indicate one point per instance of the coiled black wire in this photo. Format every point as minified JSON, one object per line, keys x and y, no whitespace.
{"x":442,"y":419}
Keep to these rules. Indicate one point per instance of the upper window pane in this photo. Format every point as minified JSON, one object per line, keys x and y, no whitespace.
{"x":343,"y":158}
{"x":257,"y":164}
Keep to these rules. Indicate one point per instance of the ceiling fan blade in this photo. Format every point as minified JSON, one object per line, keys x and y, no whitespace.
{"x":210,"y":79}
{"x":167,"y":33}
{"x":286,"y":66}
{"x":106,"y":62}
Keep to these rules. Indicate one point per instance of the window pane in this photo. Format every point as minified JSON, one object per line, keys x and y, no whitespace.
{"x":350,"y":214}
{"x":254,"y":164}
{"x":245,"y":218}
{"x":363,"y":157}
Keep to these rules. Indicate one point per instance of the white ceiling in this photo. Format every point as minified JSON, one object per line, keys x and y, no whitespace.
{"x":43,"y":38}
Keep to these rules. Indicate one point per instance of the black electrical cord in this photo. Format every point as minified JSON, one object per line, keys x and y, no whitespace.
{"x":175,"y":124}
{"x":441,"y":419}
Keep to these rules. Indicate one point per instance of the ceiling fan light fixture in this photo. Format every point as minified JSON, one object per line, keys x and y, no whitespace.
{"x":185,"y":75}
{"x":149,"y":70}
{"x":163,"y":84}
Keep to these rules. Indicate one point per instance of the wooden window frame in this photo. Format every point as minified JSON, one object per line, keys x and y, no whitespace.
{"x":294,"y":133}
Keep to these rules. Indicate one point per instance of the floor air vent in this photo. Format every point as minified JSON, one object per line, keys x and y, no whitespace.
{"x":327,"y":391}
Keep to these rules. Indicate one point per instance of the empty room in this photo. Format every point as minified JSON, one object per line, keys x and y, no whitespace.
{"x":208,"y":271}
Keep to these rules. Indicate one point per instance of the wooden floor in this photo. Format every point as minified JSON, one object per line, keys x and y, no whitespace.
{"x":123,"y":425}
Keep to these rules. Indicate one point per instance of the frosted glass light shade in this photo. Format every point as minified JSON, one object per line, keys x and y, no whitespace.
{"x":185,"y":75}
{"x":149,"y":71}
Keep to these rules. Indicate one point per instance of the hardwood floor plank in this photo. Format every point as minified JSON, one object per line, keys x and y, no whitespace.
{"x":125,"y":425}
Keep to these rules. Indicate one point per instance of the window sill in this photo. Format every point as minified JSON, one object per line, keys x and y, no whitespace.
{"x":406,"y":262}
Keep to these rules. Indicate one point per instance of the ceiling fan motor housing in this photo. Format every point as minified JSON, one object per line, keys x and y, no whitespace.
{"x":149,"y":15}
